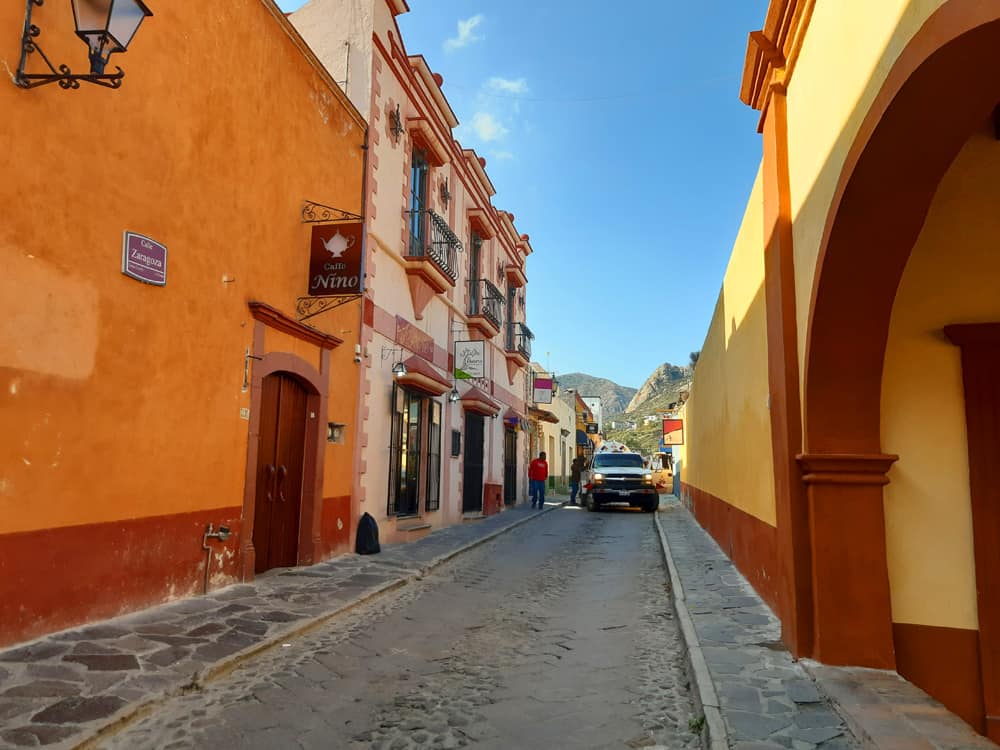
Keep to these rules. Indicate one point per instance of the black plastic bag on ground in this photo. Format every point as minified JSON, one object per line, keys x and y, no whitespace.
{"x":366,"y":542}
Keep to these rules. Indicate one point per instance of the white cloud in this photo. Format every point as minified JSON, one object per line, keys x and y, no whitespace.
{"x":466,"y":33}
{"x":508,"y":86}
{"x":487,"y":127}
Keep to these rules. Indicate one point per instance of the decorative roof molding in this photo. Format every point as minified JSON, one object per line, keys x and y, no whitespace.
{"x":773,"y":51}
{"x":421,"y":129}
{"x":478,"y":165}
{"x":397,"y":7}
{"x":432,"y":82}
{"x":479,"y":219}
{"x":271,"y":316}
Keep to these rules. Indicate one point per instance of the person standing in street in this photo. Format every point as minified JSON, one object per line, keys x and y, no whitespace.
{"x":538,"y":472}
{"x":575,"y":469}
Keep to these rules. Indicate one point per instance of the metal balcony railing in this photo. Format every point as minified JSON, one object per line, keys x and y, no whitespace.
{"x":519,"y":338}
{"x":486,"y":300}
{"x":431,"y":237}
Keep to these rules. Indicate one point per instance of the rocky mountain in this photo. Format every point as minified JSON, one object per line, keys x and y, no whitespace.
{"x":613,"y":397}
{"x":666,"y":380}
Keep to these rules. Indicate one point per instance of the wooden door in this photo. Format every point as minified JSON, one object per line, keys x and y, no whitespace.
{"x":472,"y":468}
{"x":980,"y":345}
{"x":280,"y":464}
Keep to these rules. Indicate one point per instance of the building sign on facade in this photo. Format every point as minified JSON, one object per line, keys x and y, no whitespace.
{"x":412,"y":338}
{"x":335,"y":259}
{"x":543,"y":388}
{"x":144,"y":259}
{"x":470,"y":360}
{"x":673,"y":432}
{"x":592,"y":428}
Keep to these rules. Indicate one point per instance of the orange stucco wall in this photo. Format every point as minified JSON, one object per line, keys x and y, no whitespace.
{"x":121,"y":401}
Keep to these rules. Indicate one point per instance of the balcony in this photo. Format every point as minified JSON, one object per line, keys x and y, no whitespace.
{"x":519,"y":338}
{"x":486,"y":304}
{"x":431,"y":239}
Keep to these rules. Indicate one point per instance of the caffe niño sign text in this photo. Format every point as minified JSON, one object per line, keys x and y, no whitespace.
{"x":335,"y":259}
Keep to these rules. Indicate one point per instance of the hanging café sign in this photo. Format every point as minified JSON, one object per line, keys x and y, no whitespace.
{"x":335,"y":259}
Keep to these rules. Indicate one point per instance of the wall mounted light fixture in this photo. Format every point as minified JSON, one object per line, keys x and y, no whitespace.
{"x":453,"y":396}
{"x":105,"y":26}
{"x":398,"y":367}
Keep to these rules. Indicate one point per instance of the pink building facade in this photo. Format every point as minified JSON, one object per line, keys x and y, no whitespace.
{"x":443,"y":267}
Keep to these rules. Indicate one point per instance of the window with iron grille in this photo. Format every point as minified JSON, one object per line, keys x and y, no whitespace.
{"x":433,"y":499}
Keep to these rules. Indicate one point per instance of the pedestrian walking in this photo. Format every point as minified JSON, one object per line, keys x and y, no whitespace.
{"x":575,"y":469}
{"x":538,"y":472}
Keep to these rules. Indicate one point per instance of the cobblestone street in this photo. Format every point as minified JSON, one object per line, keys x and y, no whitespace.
{"x":559,"y":634}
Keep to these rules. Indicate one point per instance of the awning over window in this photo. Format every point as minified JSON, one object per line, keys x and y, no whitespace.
{"x":543,"y":415}
{"x":581,"y":438}
{"x":478,"y":402}
{"x":421,"y":376}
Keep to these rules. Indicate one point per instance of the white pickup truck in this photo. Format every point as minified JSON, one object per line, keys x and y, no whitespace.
{"x":618,"y":477}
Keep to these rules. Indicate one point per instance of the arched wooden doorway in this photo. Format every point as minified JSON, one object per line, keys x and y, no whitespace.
{"x":935,"y":97}
{"x":280,"y":471}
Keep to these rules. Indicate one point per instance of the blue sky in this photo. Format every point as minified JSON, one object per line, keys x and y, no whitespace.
{"x":618,"y":141}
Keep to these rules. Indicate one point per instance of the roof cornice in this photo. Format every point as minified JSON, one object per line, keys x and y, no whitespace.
{"x":773,"y":50}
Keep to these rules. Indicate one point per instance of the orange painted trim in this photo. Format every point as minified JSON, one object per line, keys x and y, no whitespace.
{"x":846,"y":468}
{"x":944,"y":662}
{"x":785,"y":413}
{"x":64,"y":577}
{"x":746,"y":540}
{"x":980,"y":346}
{"x":274,"y":318}
{"x":852,"y":611}
{"x":773,"y":51}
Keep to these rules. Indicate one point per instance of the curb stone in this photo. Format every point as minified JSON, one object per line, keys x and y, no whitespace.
{"x":224,"y":666}
{"x":714,"y":735}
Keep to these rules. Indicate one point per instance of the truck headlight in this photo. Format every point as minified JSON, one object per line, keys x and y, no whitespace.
{"x":598,"y":477}
{"x":648,"y":478}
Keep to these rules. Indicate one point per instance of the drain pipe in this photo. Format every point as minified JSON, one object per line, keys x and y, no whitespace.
{"x":222,"y":535}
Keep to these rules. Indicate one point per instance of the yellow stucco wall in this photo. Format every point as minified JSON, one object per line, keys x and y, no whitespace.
{"x":727,"y":425}
{"x":849,"y":48}
{"x":950,"y":278}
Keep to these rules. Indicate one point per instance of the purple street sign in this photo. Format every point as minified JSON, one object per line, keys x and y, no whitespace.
{"x":144,"y":259}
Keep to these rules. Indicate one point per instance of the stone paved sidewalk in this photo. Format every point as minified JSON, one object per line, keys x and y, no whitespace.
{"x":70,"y":687}
{"x":753,"y":694}
{"x":755,"y":697}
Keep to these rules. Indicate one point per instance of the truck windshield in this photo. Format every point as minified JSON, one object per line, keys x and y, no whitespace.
{"x":618,"y":459}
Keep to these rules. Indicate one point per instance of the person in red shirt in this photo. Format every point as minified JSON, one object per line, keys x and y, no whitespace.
{"x":538,"y":472}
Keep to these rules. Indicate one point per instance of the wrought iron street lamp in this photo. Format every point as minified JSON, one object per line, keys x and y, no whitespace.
{"x":106,"y":26}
